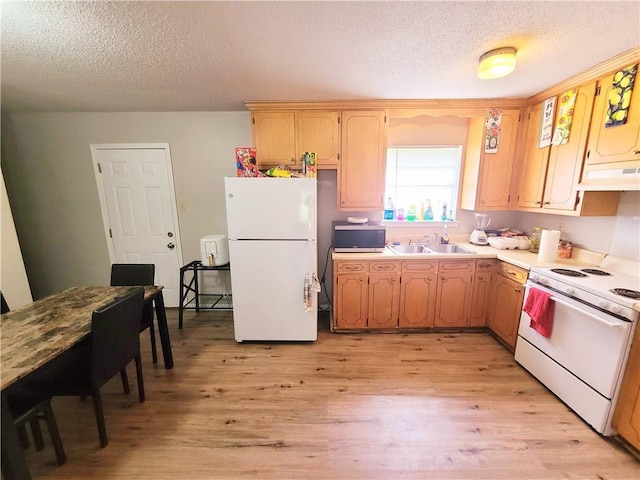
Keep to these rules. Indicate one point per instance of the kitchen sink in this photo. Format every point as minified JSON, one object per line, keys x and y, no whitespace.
{"x":447,"y":248}
{"x":415,"y":248}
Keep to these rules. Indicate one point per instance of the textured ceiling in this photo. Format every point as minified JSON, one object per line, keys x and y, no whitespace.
{"x":207,"y":56}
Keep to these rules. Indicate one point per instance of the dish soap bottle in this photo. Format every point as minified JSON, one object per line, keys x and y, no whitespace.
{"x":444,"y":239}
{"x":389,"y":210}
{"x":428,"y":213}
{"x":411,"y":213}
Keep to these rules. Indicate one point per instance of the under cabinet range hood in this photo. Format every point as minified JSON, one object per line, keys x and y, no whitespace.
{"x":614,"y":179}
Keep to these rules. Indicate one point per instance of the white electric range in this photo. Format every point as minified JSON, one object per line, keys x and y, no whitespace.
{"x":595,"y":312}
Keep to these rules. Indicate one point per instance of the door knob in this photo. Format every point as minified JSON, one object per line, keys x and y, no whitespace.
{"x":169,"y":234}
{"x":171,"y":246}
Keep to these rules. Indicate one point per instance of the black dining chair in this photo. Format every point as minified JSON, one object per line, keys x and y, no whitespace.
{"x":28,"y":407}
{"x":113,"y":343}
{"x":138,"y":274}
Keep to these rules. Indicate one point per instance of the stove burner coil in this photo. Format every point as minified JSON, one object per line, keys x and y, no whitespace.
{"x":626,"y":293}
{"x":595,"y":271}
{"x":569,"y":273}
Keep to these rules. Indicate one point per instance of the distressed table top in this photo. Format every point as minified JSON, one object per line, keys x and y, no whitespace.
{"x":35,"y":334}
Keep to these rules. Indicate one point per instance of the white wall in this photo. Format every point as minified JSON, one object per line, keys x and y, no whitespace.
{"x":13,"y":276}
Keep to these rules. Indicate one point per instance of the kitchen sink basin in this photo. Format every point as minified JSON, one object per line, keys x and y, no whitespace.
{"x":448,"y":248}
{"x":415,"y":248}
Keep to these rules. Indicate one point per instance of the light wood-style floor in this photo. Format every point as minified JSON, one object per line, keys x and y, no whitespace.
{"x":349,"y":406}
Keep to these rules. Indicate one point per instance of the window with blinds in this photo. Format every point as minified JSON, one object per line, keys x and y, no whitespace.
{"x":420,"y":180}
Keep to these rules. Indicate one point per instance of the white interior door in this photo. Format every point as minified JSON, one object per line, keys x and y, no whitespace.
{"x":135,"y":183}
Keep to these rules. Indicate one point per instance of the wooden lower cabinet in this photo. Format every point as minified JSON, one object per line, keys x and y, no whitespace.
{"x":454,"y":293}
{"x":390,"y":294}
{"x":481,"y":293}
{"x":384,"y":294}
{"x":505,"y":305}
{"x":626,"y":418}
{"x":351,"y":294}
{"x":418,"y":294}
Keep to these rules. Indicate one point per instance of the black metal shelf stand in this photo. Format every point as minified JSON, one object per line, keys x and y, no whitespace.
{"x":190,"y":296}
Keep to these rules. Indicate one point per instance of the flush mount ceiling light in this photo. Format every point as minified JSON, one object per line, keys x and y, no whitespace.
{"x":497,"y":63}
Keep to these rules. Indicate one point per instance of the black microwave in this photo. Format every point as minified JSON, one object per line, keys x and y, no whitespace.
{"x":358,"y":237}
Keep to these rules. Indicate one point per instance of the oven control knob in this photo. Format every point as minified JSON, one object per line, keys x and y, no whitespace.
{"x":616,"y":309}
{"x":603,"y":304}
{"x":570,"y":291}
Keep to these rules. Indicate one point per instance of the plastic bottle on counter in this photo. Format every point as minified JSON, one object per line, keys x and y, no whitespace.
{"x":389,"y":210}
{"x":411,"y":213}
{"x":428,"y":213}
{"x":400,"y":214}
{"x":444,"y":239}
{"x":444,"y":212}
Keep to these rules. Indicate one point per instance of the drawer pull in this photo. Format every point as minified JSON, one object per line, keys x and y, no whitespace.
{"x":352,"y":267}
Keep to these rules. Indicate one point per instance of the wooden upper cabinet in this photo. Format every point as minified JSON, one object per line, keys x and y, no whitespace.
{"x":565,"y":161}
{"x":534,"y":165}
{"x":274,"y":138}
{"x":361,"y":176}
{"x":550,"y":175}
{"x":281,"y":138}
{"x":617,"y":146}
{"x":319,"y":132}
{"x":486,"y":180}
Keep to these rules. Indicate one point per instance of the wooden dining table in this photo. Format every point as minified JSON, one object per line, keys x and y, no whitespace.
{"x":34,"y":335}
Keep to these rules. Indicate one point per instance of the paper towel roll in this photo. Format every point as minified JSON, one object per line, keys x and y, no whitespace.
{"x":549,"y":245}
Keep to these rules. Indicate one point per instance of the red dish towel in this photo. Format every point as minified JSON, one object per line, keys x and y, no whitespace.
{"x":540,"y":309}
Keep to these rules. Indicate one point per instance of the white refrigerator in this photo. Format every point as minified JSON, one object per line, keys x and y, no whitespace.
{"x":271,"y":225}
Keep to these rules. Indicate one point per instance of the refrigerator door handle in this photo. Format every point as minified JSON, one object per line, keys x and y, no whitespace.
{"x":311,"y":203}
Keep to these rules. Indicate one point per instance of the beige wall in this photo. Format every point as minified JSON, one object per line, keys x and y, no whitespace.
{"x":13,"y":276}
{"x":49,"y":177}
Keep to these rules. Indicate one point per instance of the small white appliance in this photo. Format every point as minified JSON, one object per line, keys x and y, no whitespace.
{"x":214,"y":250}
{"x":478,"y":236}
{"x":271,"y":224}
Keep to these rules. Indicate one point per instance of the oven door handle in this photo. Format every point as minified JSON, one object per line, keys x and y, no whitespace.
{"x":583,"y":312}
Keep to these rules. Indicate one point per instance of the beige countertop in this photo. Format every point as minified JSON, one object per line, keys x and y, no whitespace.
{"x":521,"y":258}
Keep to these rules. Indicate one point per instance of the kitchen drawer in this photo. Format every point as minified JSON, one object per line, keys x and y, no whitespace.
{"x":445,"y":266}
{"x":351,"y":267}
{"x":390,"y":267}
{"x":486,"y":265}
{"x":419,"y":266}
{"x":511,"y":271}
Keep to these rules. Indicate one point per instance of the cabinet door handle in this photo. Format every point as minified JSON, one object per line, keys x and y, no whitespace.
{"x":513,"y":274}
{"x":636,"y":152}
{"x":547,"y":203}
{"x":538,"y":202}
{"x":517,"y":290}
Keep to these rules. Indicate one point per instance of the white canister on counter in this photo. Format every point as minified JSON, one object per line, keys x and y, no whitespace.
{"x":549,"y":245}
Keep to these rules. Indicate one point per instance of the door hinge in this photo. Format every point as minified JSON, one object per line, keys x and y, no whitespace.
{"x":110,"y":234}
{"x":508,"y":198}
{"x":338,"y":119}
{"x":99,"y":168}
{"x":597,"y":90}
{"x":577,"y":199}
{"x":338,"y":156}
{"x":253,"y":120}
{"x":385,"y":119}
